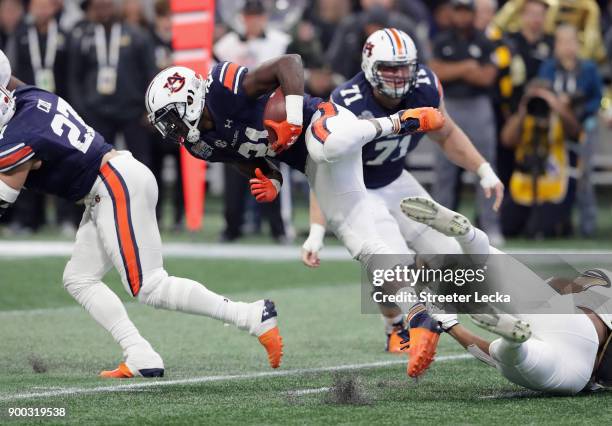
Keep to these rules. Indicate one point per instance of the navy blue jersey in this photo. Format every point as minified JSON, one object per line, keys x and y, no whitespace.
{"x":45,"y":127}
{"x":239,"y":133}
{"x":384,"y":158}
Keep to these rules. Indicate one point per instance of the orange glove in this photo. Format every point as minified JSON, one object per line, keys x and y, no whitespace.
{"x":282,"y":135}
{"x":425,"y":119}
{"x":264,"y":189}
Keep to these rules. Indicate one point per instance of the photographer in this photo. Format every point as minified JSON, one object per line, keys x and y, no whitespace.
{"x":578,"y":79}
{"x":542,"y":189}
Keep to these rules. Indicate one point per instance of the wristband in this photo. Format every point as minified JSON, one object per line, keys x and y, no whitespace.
{"x":277,"y":185}
{"x":485,"y":171}
{"x":294,"y":106}
{"x":317,"y":231}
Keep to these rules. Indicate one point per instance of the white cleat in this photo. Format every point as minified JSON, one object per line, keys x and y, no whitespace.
{"x":505,"y":325}
{"x":427,"y":211}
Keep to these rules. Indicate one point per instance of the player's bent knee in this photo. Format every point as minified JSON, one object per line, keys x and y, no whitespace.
{"x":156,"y":290}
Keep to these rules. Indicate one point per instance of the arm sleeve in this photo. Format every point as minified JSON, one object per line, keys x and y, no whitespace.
{"x":13,"y":155}
{"x":228,"y":77}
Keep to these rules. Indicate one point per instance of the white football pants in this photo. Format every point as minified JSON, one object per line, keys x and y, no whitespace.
{"x":335,"y":174}
{"x":560,"y":355}
{"x":397,"y":230}
{"x":119,"y":229}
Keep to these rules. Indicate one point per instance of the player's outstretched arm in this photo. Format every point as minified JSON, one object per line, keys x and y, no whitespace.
{"x":460,"y":150}
{"x":11,"y":183}
{"x":314,"y":243}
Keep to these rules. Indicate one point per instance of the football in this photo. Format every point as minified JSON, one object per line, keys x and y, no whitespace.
{"x":275,"y":111}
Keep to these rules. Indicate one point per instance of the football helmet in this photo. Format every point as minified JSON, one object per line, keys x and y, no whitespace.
{"x":7,"y":106}
{"x":389,"y":61}
{"x":175,"y":101}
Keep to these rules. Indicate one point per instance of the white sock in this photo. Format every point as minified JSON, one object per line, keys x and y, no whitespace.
{"x":474,"y":242}
{"x":106,"y":308}
{"x":184,"y":295}
{"x":507,"y":352}
{"x":391,"y":321}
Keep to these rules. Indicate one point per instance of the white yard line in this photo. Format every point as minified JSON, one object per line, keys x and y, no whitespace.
{"x":138,"y":384}
{"x":302,"y":392}
{"x":261,"y":252}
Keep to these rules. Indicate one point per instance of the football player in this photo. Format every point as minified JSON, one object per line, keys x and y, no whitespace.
{"x":227,"y":124}
{"x":393,"y":80}
{"x":46,"y":146}
{"x":564,"y":348}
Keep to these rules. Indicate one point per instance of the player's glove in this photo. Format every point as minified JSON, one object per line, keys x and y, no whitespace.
{"x":264,"y":189}
{"x":285,"y":132}
{"x":425,"y":119}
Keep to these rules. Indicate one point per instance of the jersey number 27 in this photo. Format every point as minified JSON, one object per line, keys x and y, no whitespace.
{"x":80,"y":135}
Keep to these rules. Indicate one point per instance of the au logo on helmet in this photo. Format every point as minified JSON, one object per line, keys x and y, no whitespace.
{"x":367,"y":49}
{"x":175,"y":83}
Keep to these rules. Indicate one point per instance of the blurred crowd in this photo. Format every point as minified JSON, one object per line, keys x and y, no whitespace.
{"x":525,"y":79}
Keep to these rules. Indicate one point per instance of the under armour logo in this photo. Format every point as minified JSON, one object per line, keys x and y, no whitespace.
{"x":228,"y":123}
{"x":367,"y":49}
{"x":175,"y":83}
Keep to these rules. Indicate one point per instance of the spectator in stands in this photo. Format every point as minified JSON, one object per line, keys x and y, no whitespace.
{"x":485,"y":12}
{"x":111,"y":64}
{"x":579,"y":81}
{"x":542,"y":188}
{"x":325,"y":16}
{"x":584,"y":15}
{"x":255,"y":45}
{"x":344,"y":53}
{"x":161,"y":33}
{"x":463,"y":60}
{"x":39,"y":55}
{"x":530,"y":46}
{"x":134,"y":14}
{"x":11,"y":12}
{"x":442,"y":13}
{"x":68,"y":14}
{"x":306,"y":40}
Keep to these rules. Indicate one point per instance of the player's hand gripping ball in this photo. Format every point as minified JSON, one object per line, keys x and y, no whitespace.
{"x":281,"y":134}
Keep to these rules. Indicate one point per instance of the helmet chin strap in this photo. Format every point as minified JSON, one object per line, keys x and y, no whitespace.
{"x":193,"y":135}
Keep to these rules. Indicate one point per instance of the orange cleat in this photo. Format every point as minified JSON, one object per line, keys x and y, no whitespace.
{"x":397,"y":341}
{"x":425,"y":119}
{"x":272,"y":341}
{"x":423,"y":344}
{"x":121,"y":372}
